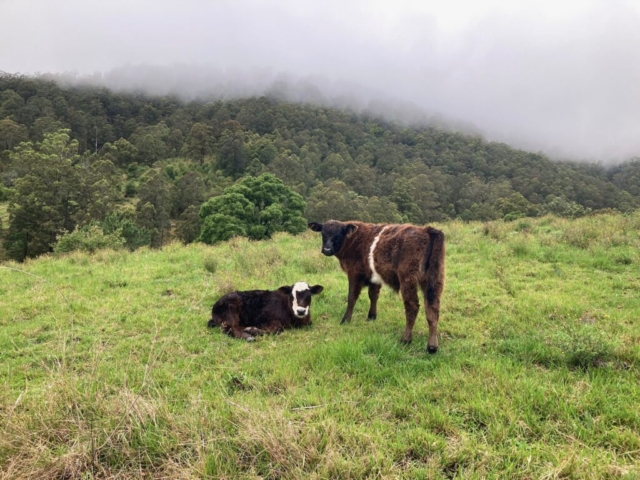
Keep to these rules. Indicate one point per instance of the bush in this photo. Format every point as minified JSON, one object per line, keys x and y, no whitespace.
{"x":133,"y":235}
{"x":254,"y":207}
{"x":210,"y":264}
{"x":219,"y":228}
{"x":88,"y":239}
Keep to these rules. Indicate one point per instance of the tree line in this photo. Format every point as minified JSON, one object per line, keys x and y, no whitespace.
{"x":143,"y":169}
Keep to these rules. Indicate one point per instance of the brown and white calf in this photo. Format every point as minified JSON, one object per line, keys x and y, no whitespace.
{"x":256,"y":312}
{"x":403,"y":257}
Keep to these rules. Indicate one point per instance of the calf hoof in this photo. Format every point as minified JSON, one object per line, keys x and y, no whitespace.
{"x":405,"y":341}
{"x":345,"y":320}
{"x":371,"y":318}
{"x":250,"y":339}
{"x":431,"y":349}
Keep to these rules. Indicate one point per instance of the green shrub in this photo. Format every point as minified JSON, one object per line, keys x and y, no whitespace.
{"x":210,"y":264}
{"x":133,"y":235}
{"x":255,"y":207}
{"x":89,"y":239}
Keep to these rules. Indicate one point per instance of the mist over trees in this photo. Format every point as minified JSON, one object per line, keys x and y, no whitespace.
{"x":151,"y":168}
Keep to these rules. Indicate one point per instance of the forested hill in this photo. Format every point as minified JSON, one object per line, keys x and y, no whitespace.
{"x":132,"y":163}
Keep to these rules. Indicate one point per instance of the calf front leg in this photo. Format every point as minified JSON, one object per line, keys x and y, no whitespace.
{"x":239,"y":332}
{"x":374,"y":293}
{"x":270,"y":328}
{"x":255,"y":331}
{"x":409,"y":293}
{"x":355,"y":287}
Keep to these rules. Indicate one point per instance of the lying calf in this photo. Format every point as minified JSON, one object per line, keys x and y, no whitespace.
{"x":256,"y":312}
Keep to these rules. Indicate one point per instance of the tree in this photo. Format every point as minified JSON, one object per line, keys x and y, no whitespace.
{"x":290,"y":170}
{"x":11,"y":134}
{"x":199,"y":142}
{"x":188,"y":228}
{"x":125,"y":152}
{"x":516,"y":206}
{"x":335,"y":201}
{"x":44,"y":125}
{"x":190,"y":191}
{"x":154,"y":207}
{"x":232,"y":152}
{"x":416,"y":199}
{"x":10,"y":103}
{"x":562,"y":207}
{"x":256,"y":207}
{"x":381,"y":210}
{"x":332,"y":167}
{"x":46,"y":201}
{"x":99,"y":191}
{"x":151,"y":143}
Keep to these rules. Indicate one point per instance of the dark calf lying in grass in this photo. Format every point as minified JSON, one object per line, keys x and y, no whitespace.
{"x":404,"y":257}
{"x":256,"y":312}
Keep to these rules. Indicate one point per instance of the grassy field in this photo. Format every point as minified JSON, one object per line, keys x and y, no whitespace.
{"x":107,"y":368}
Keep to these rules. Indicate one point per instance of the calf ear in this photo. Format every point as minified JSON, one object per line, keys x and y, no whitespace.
{"x":316,"y":289}
{"x":286,"y":290}
{"x":350,"y":228}
{"x":316,"y":227}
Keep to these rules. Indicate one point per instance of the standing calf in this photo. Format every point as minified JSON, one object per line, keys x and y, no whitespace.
{"x":256,"y":312}
{"x":401,"y":256}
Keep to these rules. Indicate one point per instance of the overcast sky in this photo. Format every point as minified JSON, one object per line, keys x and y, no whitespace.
{"x":559,"y":76}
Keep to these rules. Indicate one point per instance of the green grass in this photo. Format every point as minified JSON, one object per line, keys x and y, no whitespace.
{"x":107,"y":368}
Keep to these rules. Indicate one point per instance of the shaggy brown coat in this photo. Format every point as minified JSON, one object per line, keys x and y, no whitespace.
{"x":403,"y":257}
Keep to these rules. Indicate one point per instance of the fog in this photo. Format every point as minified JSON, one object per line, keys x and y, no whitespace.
{"x":561,"y":77}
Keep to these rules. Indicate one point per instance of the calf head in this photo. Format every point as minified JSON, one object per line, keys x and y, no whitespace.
{"x":300,"y":297}
{"x":334,"y":234}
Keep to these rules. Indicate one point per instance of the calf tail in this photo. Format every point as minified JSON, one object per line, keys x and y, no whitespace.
{"x":434,"y":265}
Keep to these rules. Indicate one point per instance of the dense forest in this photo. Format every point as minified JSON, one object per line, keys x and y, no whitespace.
{"x":82,"y":166}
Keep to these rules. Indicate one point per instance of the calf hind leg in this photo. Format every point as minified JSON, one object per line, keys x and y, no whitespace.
{"x":432,"y":301}
{"x":409,"y":293}
{"x":229,"y":323}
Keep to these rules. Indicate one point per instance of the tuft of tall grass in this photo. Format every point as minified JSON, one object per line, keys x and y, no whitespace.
{"x":210,"y":264}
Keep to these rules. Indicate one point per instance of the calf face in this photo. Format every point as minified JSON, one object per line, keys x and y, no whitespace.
{"x":300,"y":297}
{"x":333,"y":235}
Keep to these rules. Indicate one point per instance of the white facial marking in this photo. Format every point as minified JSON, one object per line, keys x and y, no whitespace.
{"x":299,"y":287}
{"x":375,"y":278}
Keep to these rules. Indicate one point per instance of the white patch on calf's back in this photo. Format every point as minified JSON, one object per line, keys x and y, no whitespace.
{"x":299,"y":287}
{"x":375,"y":277}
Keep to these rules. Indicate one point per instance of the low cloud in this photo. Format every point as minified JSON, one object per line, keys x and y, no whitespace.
{"x":560,"y":77}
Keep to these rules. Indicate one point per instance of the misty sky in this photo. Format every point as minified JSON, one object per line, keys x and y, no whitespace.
{"x":558,"y":76}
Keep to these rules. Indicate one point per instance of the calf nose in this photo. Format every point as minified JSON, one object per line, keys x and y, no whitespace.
{"x":302,"y":311}
{"x":327,"y":251}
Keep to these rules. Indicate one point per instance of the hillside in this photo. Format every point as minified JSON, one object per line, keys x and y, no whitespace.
{"x":127,"y":149}
{"x":108,"y":369}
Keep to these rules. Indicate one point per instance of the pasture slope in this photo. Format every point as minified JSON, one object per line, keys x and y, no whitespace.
{"x":107,"y":369}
